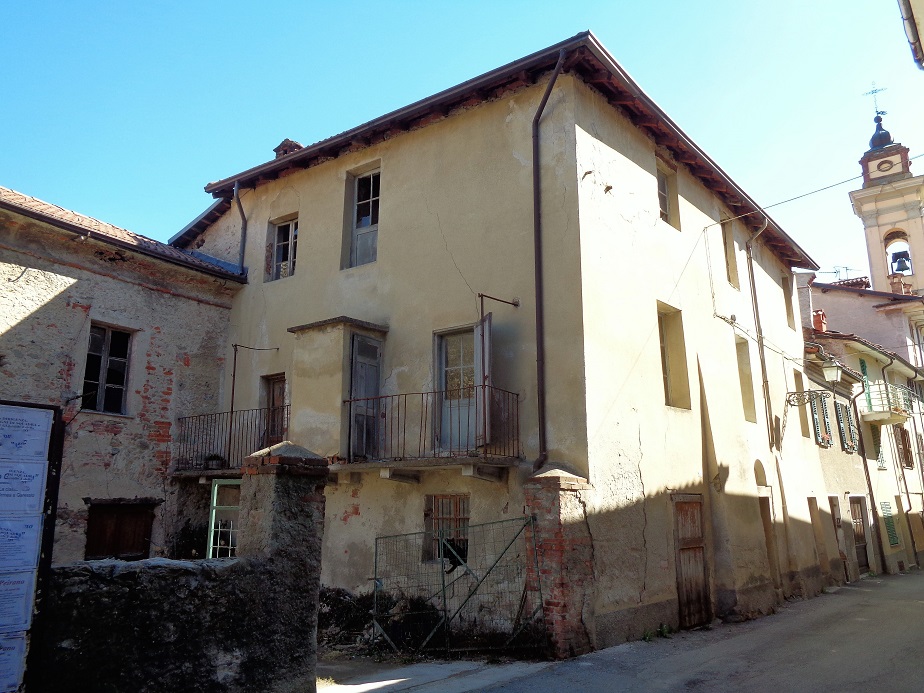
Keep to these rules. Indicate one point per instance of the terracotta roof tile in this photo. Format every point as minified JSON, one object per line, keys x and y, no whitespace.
{"x":102,"y":231}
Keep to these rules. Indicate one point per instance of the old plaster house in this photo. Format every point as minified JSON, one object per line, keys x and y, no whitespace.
{"x":455,"y":304}
{"x":431,"y":305}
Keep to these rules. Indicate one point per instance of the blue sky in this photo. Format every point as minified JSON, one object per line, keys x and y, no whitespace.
{"x":124,"y":111}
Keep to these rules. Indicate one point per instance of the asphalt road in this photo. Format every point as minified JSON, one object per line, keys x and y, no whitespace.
{"x":867,"y":636}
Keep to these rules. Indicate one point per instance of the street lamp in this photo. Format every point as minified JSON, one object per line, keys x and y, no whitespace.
{"x":832,"y":371}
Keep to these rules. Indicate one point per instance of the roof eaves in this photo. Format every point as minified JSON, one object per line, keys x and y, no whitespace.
{"x":194,"y":228}
{"x":840,"y":336}
{"x":626,"y":93}
{"x":77,"y":229}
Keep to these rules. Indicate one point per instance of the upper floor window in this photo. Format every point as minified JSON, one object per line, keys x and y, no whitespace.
{"x":283,"y":246}
{"x":673,"y":357}
{"x":365,"y":220}
{"x":786,"y":284}
{"x":667,"y":194}
{"x":106,"y":374}
{"x":731,"y":260}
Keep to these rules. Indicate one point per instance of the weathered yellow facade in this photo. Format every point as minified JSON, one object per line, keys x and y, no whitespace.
{"x":455,"y":221}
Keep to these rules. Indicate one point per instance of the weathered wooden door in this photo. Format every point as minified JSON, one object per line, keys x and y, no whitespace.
{"x":275,"y":405}
{"x":690,"y":540}
{"x":858,"y":516}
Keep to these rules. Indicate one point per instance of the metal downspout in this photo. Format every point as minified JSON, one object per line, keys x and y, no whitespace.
{"x":869,"y":480}
{"x":760,"y":334}
{"x":537,"y":256}
{"x":240,"y":209}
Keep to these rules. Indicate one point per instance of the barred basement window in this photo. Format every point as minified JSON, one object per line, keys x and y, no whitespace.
{"x":446,"y":528}
{"x":106,"y":373}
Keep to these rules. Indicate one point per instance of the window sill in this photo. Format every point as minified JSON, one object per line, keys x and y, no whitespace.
{"x":105,"y":413}
{"x":355,"y":267}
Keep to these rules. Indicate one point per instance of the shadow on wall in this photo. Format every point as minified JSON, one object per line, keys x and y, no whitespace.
{"x":681,"y":558}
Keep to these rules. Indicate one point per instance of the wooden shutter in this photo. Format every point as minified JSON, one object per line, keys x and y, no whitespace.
{"x":119,"y":530}
{"x":840,"y":411}
{"x":817,"y":425}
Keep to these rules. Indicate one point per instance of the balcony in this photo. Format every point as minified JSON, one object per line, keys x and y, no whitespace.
{"x":473,"y":423}
{"x":885,"y":403}
{"x":216,"y":442}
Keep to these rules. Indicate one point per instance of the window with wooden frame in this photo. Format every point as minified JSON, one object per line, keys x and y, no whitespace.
{"x":282,"y":246}
{"x":746,"y":379}
{"x":446,"y":528}
{"x":847,"y":427}
{"x":224,"y":518}
{"x":673,"y":357}
{"x":799,"y":384}
{"x":364,"y":238}
{"x":903,"y":446}
{"x":822,"y":422}
{"x":876,"y":432}
{"x":106,"y":374}
{"x":786,"y":285}
{"x":119,"y":530}
{"x":731,"y":253}
{"x":668,"y":207}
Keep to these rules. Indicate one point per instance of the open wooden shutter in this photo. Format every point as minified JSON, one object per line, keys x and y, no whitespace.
{"x":815,"y":422}
{"x":483,"y":381}
{"x":841,"y":412}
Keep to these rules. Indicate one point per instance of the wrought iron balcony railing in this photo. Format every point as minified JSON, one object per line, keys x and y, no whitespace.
{"x":886,"y":397}
{"x":223,"y":440}
{"x":475,"y":421}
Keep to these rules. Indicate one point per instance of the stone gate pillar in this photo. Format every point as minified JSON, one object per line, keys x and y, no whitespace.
{"x":564,"y":554}
{"x":282,"y":525}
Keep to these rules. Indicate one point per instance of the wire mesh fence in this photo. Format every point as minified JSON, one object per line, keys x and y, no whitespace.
{"x":446,"y":591}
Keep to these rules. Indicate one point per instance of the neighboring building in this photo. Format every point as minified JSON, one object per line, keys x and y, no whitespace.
{"x":124,"y":333}
{"x":876,"y":336}
{"x":642,"y":422}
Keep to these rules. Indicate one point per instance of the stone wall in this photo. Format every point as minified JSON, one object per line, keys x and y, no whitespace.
{"x":235,"y":625}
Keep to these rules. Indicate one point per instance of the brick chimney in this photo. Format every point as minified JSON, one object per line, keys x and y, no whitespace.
{"x":819,"y":321}
{"x":287,"y":146}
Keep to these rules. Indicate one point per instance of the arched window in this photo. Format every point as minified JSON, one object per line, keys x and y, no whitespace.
{"x":898,"y":252}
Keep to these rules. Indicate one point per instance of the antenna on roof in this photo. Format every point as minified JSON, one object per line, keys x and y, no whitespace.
{"x":872,"y":92}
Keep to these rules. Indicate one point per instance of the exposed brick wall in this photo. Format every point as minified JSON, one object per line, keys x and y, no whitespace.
{"x":565,"y":558}
{"x":55,"y":288}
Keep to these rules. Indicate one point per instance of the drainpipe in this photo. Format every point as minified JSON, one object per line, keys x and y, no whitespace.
{"x":760,"y":333}
{"x":869,"y":481}
{"x":537,"y":256}
{"x":240,"y":209}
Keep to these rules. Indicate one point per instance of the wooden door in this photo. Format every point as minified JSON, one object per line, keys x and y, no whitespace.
{"x":692,"y":583}
{"x":366,"y":428}
{"x":858,"y":516}
{"x":275,"y":404}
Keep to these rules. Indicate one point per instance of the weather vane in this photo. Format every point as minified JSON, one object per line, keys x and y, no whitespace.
{"x":872,"y":92}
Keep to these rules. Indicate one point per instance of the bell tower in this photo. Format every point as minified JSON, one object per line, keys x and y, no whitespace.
{"x":891,"y":205}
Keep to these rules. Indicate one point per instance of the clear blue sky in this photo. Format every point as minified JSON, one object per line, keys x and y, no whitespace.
{"x":124,"y":110}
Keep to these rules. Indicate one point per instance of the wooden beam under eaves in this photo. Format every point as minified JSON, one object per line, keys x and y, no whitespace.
{"x":402,"y":475}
